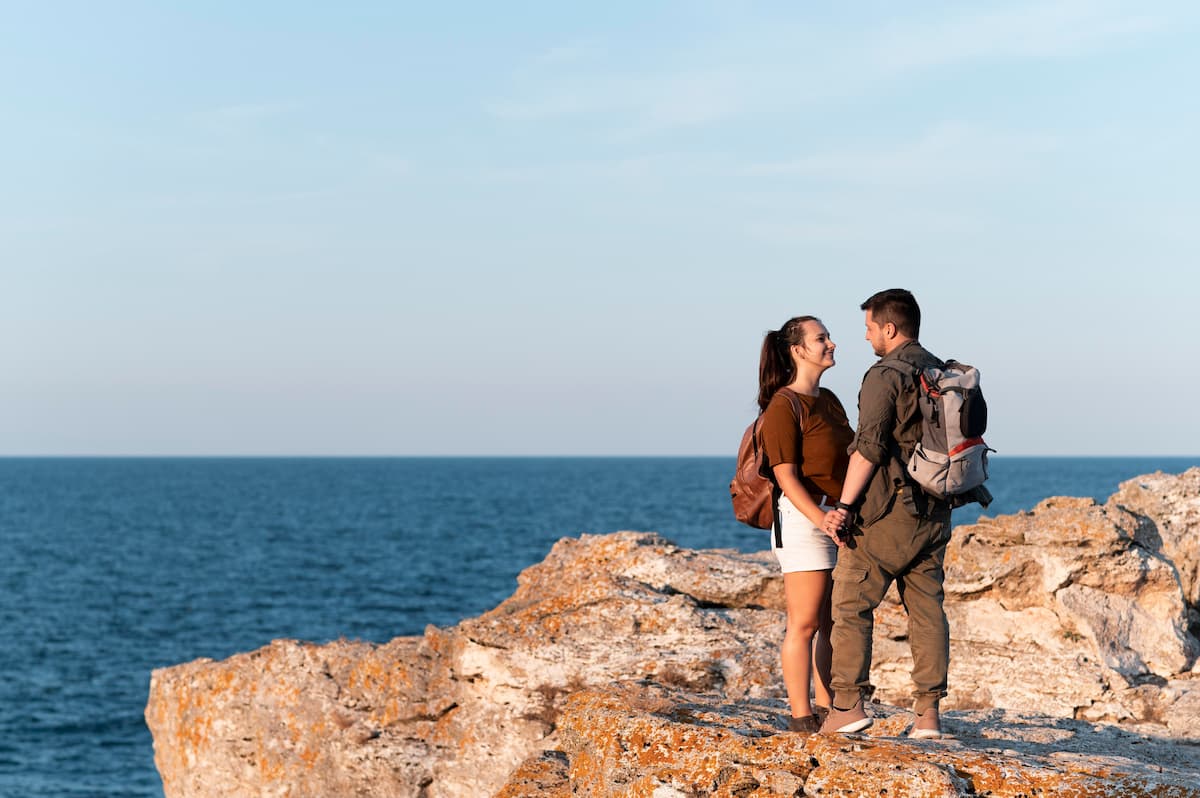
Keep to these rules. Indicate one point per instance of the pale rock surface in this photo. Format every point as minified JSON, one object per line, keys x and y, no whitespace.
{"x":1070,"y":611}
{"x":1171,"y":506}
{"x":1064,"y":610}
{"x":646,"y":740}
{"x":453,"y":712}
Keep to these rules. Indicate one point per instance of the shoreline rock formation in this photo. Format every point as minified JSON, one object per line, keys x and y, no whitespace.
{"x":625,"y":665}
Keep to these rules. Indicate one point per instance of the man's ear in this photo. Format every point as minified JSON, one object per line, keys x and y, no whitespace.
{"x":889,"y":330}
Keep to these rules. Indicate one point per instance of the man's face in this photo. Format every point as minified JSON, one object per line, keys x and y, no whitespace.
{"x":875,"y":336}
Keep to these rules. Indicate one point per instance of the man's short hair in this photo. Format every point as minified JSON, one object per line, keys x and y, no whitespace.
{"x":897,"y":306}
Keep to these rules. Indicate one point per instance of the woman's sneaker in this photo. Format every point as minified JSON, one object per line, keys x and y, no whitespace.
{"x":846,"y":721}
{"x":809,"y":724}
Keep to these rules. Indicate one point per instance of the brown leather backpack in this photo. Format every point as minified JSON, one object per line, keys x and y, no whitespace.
{"x":753,"y":487}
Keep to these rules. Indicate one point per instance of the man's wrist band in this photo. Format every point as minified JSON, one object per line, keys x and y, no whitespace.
{"x":843,"y":506}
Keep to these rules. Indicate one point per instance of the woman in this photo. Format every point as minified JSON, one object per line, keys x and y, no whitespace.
{"x":804,"y":434}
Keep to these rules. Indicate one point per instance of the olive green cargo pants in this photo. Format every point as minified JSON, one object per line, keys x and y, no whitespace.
{"x":910,"y":552}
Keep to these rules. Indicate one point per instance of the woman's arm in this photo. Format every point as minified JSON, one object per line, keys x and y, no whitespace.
{"x":858,"y":474}
{"x":788,"y":481}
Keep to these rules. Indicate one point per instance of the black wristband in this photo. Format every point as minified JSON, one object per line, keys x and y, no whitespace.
{"x":841,"y":505}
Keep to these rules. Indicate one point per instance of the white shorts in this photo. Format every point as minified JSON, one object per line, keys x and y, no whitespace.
{"x":805,"y":547}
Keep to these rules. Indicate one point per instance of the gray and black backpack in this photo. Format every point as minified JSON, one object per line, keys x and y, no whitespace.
{"x":950,"y":460}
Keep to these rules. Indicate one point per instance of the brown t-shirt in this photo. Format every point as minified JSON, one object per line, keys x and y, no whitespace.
{"x":819,"y":451}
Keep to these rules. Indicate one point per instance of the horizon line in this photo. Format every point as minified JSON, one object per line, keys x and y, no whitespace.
{"x":428,"y":456}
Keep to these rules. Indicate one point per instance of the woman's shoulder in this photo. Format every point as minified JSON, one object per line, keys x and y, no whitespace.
{"x":834,"y":406}
{"x":785,"y":404}
{"x":829,"y":396}
{"x":786,"y":397}
{"x":778,"y":399}
{"x":781,"y":422}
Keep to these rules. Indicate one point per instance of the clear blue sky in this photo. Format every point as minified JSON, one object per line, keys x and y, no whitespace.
{"x":541,"y":228}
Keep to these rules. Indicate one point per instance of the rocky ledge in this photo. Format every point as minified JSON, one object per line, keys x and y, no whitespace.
{"x":625,"y":665}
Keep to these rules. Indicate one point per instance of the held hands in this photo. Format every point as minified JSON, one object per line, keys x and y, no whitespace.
{"x":835,"y":521}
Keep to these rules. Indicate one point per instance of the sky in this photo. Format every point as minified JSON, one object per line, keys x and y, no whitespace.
{"x":380,"y":228}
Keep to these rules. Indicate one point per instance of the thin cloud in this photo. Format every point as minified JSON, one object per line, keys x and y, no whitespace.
{"x":689,"y":99}
{"x":566,"y":54}
{"x":1039,"y":30}
{"x":841,"y":221}
{"x":758,"y":68}
{"x":239,"y":118}
{"x":641,"y":168}
{"x":949,"y":151}
{"x":556,"y":102}
{"x":638,"y":103}
{"x":392,"y":165}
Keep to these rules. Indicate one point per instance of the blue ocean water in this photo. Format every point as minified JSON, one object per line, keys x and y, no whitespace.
{"x":112,"y":567}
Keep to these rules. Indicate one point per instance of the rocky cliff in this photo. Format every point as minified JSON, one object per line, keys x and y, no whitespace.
{"x":624,"y":665}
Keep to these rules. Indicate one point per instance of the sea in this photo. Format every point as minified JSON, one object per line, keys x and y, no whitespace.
{"x":110,"y":568}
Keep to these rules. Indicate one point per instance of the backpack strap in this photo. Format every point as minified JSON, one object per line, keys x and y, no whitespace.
{"x":797,"y":408}
{"x":904,"y":367}
{"x":911,"y":380}
{"x":801,"y":418}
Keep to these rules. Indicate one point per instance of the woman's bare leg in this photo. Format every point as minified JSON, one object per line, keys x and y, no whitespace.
{"x":822,"y":650}
{"x":807,"y":597}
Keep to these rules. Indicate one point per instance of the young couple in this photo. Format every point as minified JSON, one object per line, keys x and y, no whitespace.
{"x":848,"y":521}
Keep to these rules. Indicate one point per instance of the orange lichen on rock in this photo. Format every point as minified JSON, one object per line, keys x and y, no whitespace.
{"x":544,"y":775}
{"x":645,"y":737}
{"x":903,"y":767}
{"x":632,"y":739}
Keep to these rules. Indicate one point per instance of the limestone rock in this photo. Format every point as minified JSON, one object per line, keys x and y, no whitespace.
{"x":453,"y":712}
{"x":1065,"y":610}
{"x":1073,"y":611}
{"x":544,"y":774}
{"x":1170,"y":506}
{"x":302,"y":720}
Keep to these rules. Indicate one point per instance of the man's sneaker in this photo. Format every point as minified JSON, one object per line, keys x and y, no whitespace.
{"x":927,"y":726}
{"x":809,"y":724}
{"x":846,"y":721}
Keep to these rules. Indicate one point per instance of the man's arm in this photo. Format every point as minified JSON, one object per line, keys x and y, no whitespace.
{"x":858,"y":474}
{"x":876,"y":420}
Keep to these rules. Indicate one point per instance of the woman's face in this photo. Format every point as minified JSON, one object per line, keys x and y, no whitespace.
{"x":817,"y":347}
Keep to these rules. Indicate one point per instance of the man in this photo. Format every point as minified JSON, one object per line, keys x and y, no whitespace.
{"x":901,"y":533}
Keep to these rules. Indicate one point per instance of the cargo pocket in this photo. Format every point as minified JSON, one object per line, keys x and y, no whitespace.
{"x":850,"y":586}
{"x":849,"y":574}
